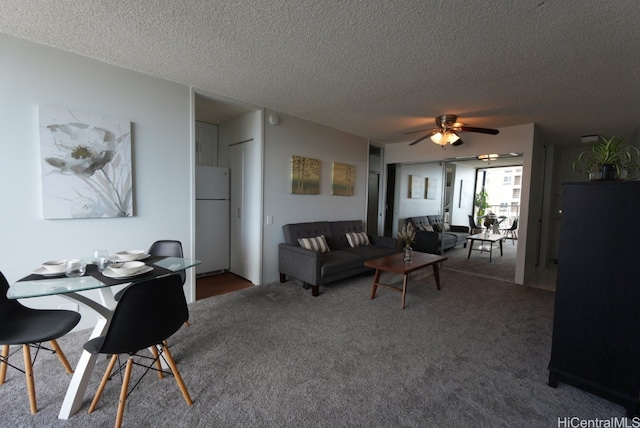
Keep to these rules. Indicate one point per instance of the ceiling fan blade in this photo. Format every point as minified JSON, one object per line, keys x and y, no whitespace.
{"x":419,"y":130}
{"x":458,"y":142}
{"x":421,"y":138}
{"x":480,"y":130}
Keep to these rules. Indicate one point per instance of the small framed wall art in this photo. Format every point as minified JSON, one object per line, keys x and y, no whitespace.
{"x":305,"y":176}
{"x":416,"y":187}
{"x":430,"y":188}
{"x":343,"y":179}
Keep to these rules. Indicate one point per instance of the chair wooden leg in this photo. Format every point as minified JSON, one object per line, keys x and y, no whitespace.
{"x":3,"y":364}
{"x":28,"y":373}
{"x":61,"y":356}
{"x":187,"y":323}
{"x":176,"y":374}
{"x":154,"y":352}
{"x":103,"y":383}
{"x":123,"y":392}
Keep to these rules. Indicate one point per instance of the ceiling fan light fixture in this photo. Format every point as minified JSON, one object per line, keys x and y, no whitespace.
{"x":445,"y":132}
{"x":444,"y":138}
{"x":488,"y":158}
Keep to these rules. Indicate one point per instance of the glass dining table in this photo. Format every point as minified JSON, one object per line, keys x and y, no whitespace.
{"x":38,"y":286}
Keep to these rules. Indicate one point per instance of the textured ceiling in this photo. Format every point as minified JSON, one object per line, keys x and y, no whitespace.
{"x":374,"y":68}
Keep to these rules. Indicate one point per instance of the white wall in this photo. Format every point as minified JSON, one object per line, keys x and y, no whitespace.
{"x":464,"y":180}
{"x":531,"y":210}
{"x":294,"y":136}
{"x":408,"y":207}
{"x":162,"y":145}
{"x":564,"y":172}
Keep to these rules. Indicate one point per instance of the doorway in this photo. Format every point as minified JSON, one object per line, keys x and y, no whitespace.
{"x":221,"y":283}
{"x":501,"y":184}
{"x":374,"y":216}
{"x":389,"y":204}
{"x":454,"y":198}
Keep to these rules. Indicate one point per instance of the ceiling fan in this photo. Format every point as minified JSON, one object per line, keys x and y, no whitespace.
{"x":445,"y":133}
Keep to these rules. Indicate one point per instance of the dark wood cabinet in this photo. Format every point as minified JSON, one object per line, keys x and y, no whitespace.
{"x":596,"y":326}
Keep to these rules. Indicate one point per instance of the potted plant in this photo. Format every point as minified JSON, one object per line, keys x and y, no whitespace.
{"x":482,"y":202}
{"x":609,"y":159}
{"x":408,"y":235}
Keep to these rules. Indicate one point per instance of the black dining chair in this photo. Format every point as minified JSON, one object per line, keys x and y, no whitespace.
{"x":473,"y":227}
{"x":512,"y":231}
{"x":147,"y":314}
{"x":20,"y":325}
{"x":163,"y":248}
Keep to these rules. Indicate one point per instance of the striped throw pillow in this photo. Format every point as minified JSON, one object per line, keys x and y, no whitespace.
{"x":427,"y":228}
{"x":357,"y":239}
{"x":317,"y":243}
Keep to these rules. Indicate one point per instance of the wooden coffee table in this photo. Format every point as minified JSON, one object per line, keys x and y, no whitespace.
{"x":396,"y":264}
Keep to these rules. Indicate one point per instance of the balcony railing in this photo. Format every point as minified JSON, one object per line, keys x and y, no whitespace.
{"x":505,"y":210}
{"x":509,"y":211}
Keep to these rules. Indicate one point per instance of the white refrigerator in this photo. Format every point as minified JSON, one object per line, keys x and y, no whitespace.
{"x":212,"y":219}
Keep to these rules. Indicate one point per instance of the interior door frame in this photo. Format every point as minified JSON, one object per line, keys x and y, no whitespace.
{"x":246,"y":203}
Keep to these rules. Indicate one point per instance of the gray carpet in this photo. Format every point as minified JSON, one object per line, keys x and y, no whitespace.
{"x":473,"y":354}
{"x":501,"y":267}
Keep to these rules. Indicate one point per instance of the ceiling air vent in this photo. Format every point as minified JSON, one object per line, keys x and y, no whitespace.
{"x":589,"y":138}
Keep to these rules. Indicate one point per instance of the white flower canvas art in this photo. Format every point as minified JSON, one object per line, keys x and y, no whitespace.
{"x":86,"y":165}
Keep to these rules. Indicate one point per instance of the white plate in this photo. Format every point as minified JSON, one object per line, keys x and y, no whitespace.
{"x":140,"y":257}
{"x":45,"y":272}
{"x":111,"y":274}
{"x":55,"y":266}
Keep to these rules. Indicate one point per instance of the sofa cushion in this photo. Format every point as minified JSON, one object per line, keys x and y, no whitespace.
{"x":450,"y":240}
{"x":339,"y":261}
{"x":316,"y":243}
{"x":459,"y":236}
{"x":339,"y":230}
{"x":294,"y":231}
{"x":418,"y":222}
{"x":357,"y":239}
{"x":438,"y":227}
{"x":370,"y":252}
{"x":436,"y":221}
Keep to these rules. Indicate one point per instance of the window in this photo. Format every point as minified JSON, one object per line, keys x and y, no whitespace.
{"x":516,"y":194}
{"x":517,"y":180}
{"x":507,"y":180}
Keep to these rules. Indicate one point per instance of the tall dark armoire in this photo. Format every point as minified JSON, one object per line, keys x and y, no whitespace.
{"x":596,"y":326}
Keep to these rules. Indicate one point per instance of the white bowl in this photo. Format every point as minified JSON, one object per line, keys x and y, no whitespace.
{"x":127,"y":255}
{"x":126,"y":268}
{"x":54,"y":266}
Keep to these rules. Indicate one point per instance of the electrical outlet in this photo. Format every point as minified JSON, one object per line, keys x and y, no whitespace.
{"x":269,"y":219}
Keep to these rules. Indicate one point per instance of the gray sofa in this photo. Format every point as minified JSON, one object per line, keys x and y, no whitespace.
{"x":430,"y":242}
{"x":342,"y":261}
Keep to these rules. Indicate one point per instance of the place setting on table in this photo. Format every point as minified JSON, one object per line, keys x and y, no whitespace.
{"x":58,"y":276}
